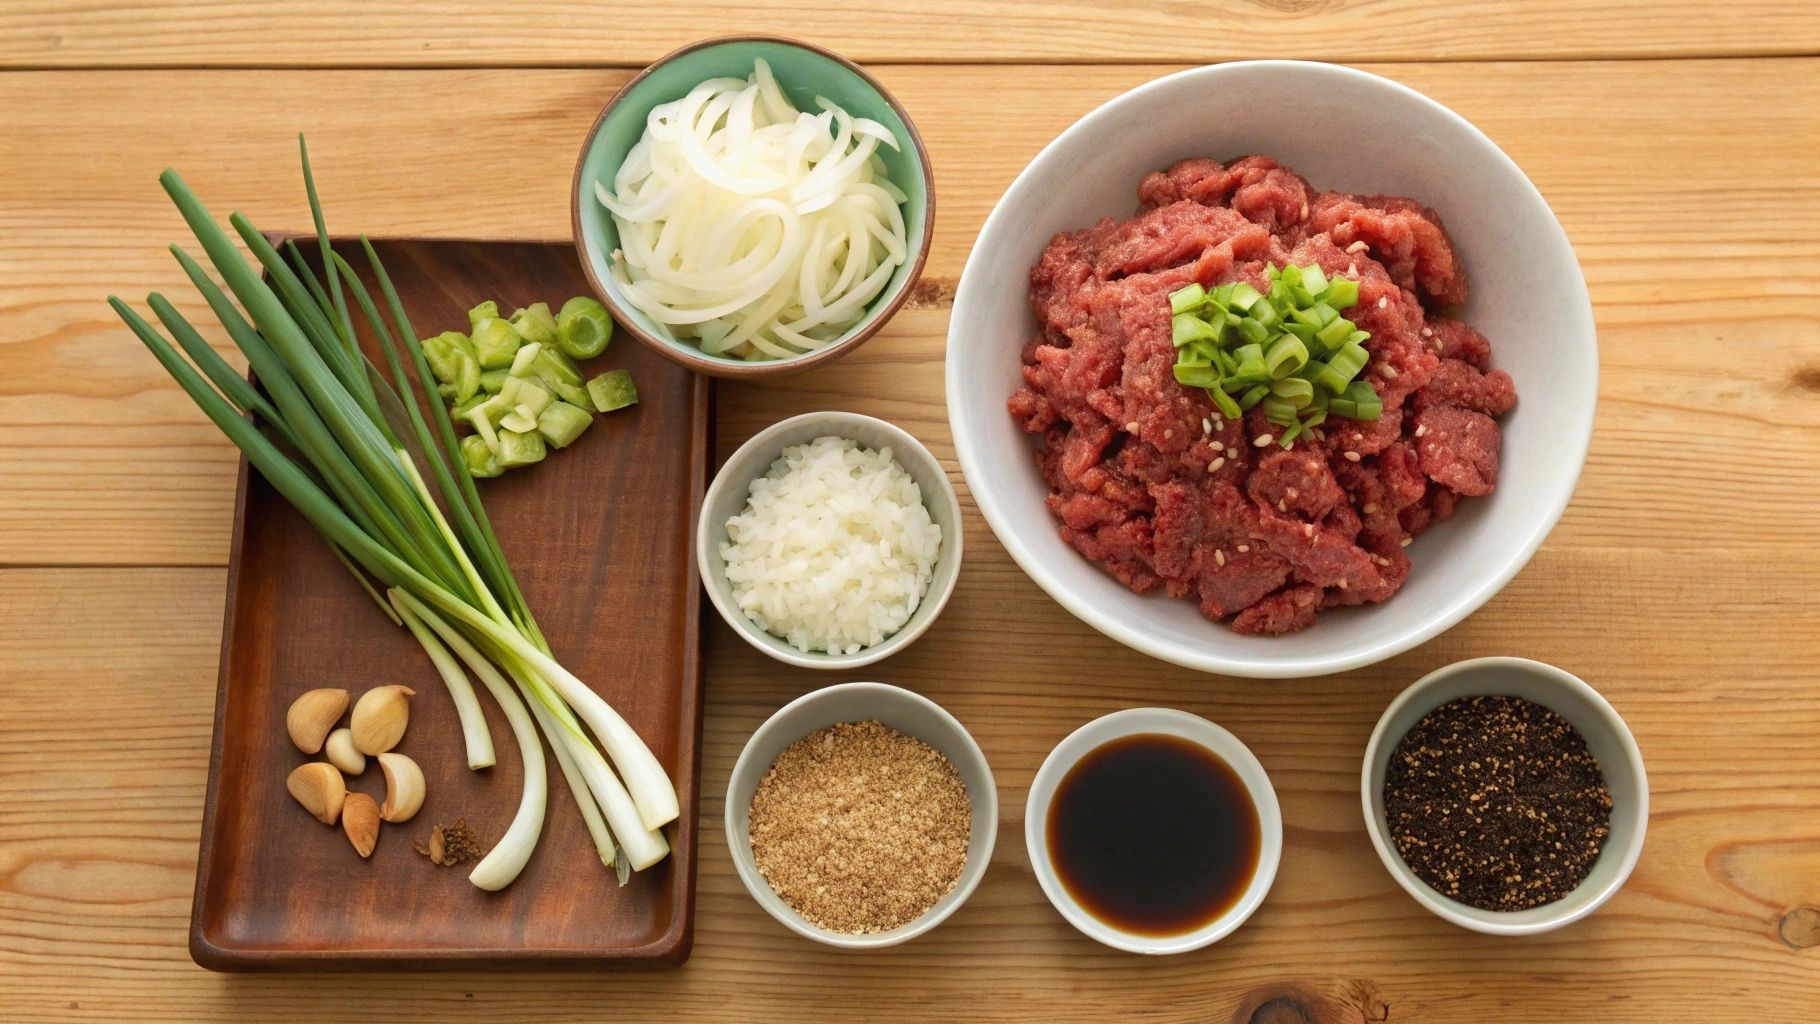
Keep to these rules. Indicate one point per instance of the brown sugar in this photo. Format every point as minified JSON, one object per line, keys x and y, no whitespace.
{"x":860,"y":828}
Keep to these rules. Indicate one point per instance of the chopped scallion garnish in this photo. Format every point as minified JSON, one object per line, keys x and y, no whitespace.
{"x":1289,"y":348}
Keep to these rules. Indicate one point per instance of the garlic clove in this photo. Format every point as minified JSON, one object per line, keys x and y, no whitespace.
{"x":360,"y":820}
{"x":403,"y":787}
{"x":318,"y":786}
{"x":380,"y":717}
{"x":312,"y":716}
{"x":341,"y":752}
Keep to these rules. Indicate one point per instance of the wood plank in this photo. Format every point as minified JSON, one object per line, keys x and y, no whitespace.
{"x":104,"y":751}
{"x":1696,"y":217}
{"x":595,"y":33}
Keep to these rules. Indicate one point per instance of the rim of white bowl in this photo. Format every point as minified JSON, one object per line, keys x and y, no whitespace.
{"x":1269,"y":667}
{"x":963,"y":889}
{"x":1457,"y":913}
{"x":1136,"y":722}
{"x":707,"y":558}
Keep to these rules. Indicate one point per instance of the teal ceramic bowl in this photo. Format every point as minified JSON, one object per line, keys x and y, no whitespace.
{"x":804,"y":72}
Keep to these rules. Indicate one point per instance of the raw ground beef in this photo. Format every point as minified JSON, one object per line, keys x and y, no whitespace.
{"x":1148,"y":479}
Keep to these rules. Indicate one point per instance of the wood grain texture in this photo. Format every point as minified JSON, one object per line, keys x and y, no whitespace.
{"x":1678,"y":268}
{"x":597,"y":33}
{"x":614,"y":589}
{"x":1689,"y":189}
{"x":99,"y":838}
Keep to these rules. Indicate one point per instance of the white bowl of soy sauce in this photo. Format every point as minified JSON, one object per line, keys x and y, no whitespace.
{"x":1153,"y":831}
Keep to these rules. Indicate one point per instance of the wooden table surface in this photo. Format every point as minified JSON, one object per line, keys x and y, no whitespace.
{"x":1678,"y":142}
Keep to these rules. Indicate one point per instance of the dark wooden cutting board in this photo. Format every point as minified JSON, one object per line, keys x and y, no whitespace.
{"x":599,"y":536}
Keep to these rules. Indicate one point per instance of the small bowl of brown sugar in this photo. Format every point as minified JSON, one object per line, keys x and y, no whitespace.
{"x":1505,"y":795}
{"x":861,"y":815}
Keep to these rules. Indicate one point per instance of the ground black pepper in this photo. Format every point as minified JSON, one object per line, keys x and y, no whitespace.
{"x":1496,"y":802}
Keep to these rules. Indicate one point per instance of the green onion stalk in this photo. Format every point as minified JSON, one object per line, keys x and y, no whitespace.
{"x":335,"y":445}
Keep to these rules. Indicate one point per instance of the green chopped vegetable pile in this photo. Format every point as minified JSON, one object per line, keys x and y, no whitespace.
{"x":516,"y":383}
{"x":1289,"y":349}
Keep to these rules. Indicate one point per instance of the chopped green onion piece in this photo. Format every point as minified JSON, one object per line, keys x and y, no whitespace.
{"x":1366,"y":403}
{"x":522,"y":359}
{"x":1187,"y":328}
{"x":613,"y":390}
{"x":1253,"y":397}
{"x":1342,"y":368}
{"x":1295,"y":390}
{"x":551,"y":365}
{"x":1335,"y":334}
{"x":520,"y":419}
{"x":532,"y":395}
{"x":1280,"y":411}
{"x":1184,"y":300}
{"x":1359,"y":337}
{"x":1313,"y":280}
{"x":480,"y":459}
{"x":562,"y":423}
{"x":1306,"y":332}
{"x":1243,"y":297}
{"x":1285,"y":357}
{"x":487,"y":310}
{"x":1197,"y":376}
{"x":1254,"y":332}
{"x":1340,"y":405}
{"x":534,"y":323}
{"x":520,"y":448}
{"x":1265,"y":312}
{"x":492,"y":380}
{"x":1221,"y":299}
{"x":483,"y":425}
{"x":1246,"y":353}
{"x":575,"y":395}
{"x":1290,"y":276}
{"x":1342,"y":292}
{"x":583,"y":328}
{"x":493,"y":409}
{"x":462,"y":408}
{"x":1295,"y":430}
{"x":1228,"y":408}
{"x":496,"y":343}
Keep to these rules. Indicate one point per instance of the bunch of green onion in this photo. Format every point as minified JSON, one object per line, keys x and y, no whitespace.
{"x":343,"y":444}
{"x":1288,"y":348}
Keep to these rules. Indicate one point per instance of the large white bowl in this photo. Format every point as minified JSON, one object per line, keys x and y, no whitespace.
{"x":1342,"y":129}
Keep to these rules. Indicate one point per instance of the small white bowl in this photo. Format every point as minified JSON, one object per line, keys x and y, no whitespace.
{"x":1607,"y":738}
{"x":727,"y":495}
{"x":909,"y":713}
{"x":1140,"y":721}
{"x":1351,"y":131}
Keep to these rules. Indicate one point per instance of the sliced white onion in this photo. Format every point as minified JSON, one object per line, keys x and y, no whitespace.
{"x":757,"y":230}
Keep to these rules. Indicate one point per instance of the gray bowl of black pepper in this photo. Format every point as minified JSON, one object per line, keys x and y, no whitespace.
{"x":861,"y":815}
{"x":1505,"y":795}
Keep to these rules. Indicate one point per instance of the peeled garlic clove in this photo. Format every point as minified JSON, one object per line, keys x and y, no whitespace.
{"x":341,"y":752}
{"x":380,"y":717}
{"x":319,"y":788}
{"x":403,"y":787}
{"x":360,"y":820}
{"x":312,"y":716}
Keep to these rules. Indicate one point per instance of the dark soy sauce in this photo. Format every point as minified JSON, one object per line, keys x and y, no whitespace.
{"x":1154,"y":835}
